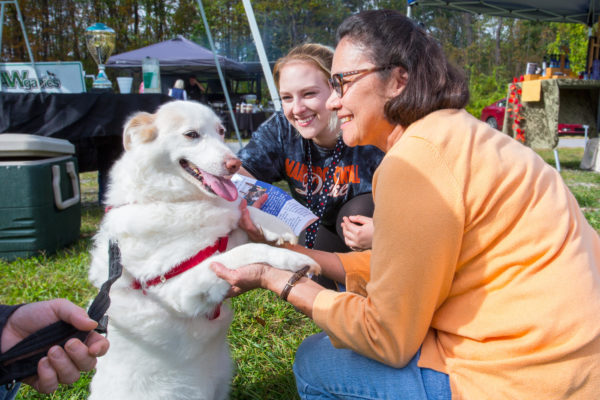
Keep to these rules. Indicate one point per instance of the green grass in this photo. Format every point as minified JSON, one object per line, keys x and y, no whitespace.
{"x":265,"y":332}
{"x":585,"y":185}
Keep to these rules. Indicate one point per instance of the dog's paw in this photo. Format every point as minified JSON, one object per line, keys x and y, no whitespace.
{"x":200,"y":295}
{"x":278,"y":238}
{"x":273,"y":229}
{"x":292,"y":261}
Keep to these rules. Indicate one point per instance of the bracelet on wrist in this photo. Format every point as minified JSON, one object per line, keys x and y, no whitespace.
{"x":292,"y":281}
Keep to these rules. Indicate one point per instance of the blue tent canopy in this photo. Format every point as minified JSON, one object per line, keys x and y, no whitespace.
{"x":176,"y":56}
{"x":577,"y":11}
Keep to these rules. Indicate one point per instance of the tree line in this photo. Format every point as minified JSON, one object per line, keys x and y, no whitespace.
{"x":491,"y":50}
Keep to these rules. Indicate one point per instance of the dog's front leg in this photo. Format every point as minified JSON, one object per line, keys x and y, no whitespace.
{"x":199,"y":290}
{"x":252,"y":253}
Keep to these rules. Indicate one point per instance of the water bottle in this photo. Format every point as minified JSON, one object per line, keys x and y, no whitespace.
{"x":151,"y":75}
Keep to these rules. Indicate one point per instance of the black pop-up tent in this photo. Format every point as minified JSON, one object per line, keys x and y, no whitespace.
{"x":566,"y":11}
{"x":176,"y":56}
{"x":578,"y":11}
{"x":179,"y":58}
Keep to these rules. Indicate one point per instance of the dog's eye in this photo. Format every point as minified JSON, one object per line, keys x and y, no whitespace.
{"x":192,"y":135}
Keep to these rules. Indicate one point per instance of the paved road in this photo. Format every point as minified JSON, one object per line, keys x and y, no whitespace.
{"x":571,"y":142}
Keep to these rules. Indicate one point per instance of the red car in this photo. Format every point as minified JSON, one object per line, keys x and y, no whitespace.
{"x":494,"y":116}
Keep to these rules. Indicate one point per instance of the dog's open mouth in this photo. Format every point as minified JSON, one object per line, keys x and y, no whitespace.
{"x":218,"y":185}
{"x":215,"y":313}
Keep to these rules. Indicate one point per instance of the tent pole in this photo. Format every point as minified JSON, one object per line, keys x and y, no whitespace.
{"x":262,"y":55}
{"x":223,"y":83}
{"x":20,"y":19}
{"x":1,"y":29}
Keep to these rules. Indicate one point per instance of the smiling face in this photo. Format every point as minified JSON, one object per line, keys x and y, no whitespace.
{"x":361,"y":108}
{"x":304,"y":90}
{"x":183,"y":139}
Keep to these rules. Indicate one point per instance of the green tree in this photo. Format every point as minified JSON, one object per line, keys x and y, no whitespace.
{"x":573,"y":39}
{"x":489,"y":49}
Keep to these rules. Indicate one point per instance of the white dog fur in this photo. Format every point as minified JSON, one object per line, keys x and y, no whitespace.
{"x":163,"y":344}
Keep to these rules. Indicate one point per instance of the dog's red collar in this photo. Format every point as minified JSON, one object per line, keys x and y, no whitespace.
{"x":109,"y":208}
{"x":220,"y":245}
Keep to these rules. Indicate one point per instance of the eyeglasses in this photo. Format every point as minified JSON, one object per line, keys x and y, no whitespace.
{"x":337,"y":81}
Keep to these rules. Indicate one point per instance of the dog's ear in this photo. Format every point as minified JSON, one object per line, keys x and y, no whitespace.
{"x":139,"y":128}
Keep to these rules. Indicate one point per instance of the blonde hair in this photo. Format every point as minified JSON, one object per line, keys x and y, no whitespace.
{"x":179,"y":84}
{"x":319,"y":55}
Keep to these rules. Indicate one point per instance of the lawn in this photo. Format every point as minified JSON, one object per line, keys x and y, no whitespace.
{"x":266,"y":331}
{"x":585,"y":185}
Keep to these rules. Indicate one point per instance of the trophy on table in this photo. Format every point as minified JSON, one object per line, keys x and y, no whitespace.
{"x":100,"y":40}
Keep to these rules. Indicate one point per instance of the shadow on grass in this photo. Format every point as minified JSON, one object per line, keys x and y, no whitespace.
{"x":277,"y":387}
{"x":570,"y":158}
{"x":570,"y":164}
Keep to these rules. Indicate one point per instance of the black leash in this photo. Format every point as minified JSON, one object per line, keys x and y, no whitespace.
{"x":21,"y":361}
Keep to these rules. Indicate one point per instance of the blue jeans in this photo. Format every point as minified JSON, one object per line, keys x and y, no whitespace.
{"x":8,"y":394}
{"x":324,"y":372}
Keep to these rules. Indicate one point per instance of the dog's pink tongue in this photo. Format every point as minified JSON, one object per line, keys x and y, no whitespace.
{"x":221,"y":186}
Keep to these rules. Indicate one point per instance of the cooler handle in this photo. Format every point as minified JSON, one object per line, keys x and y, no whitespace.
{"x":60,"y":204}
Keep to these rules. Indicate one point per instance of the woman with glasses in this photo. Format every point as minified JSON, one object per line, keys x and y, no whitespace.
{"x":302,"y":145}
{"x":483,"y":281}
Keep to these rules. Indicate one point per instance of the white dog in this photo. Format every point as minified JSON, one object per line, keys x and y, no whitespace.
{"x":170,"y":199}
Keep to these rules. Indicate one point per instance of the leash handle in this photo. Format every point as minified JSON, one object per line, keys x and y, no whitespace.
{"x":21,"y":361}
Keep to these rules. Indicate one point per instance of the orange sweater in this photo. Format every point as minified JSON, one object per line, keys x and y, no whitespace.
{"x":482,"y":256}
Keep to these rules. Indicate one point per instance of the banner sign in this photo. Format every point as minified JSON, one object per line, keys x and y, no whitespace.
{"x":52,"y":77}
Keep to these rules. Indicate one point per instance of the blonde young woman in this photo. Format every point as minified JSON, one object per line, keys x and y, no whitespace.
{"x":178,"y":90}
{"x":302,"y":145}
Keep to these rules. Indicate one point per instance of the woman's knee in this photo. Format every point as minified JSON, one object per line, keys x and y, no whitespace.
{"x":8,"y":394}
{"x":321,"y":370}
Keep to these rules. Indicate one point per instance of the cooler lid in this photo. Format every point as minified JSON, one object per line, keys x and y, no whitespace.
{"x":15,"y":145}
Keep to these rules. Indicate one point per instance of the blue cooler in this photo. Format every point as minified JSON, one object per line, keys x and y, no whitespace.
{"x":40,"y":207}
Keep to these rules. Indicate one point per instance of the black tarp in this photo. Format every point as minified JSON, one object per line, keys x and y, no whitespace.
{"x":93,"y":122}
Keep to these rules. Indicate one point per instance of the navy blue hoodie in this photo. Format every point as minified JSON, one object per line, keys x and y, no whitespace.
{"x":276,"y":153}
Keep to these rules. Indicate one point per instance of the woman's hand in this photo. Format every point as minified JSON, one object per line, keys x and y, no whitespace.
{"x":255,"y":234}
{"x":243,"y":279}
{"x":60,"y":365}
{"x":358,"y":232}
{"x":195,"y":82}
{"x":253,"y":276}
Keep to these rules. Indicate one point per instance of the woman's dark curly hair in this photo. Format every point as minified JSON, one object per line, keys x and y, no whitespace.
{"x":391,"y":39}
